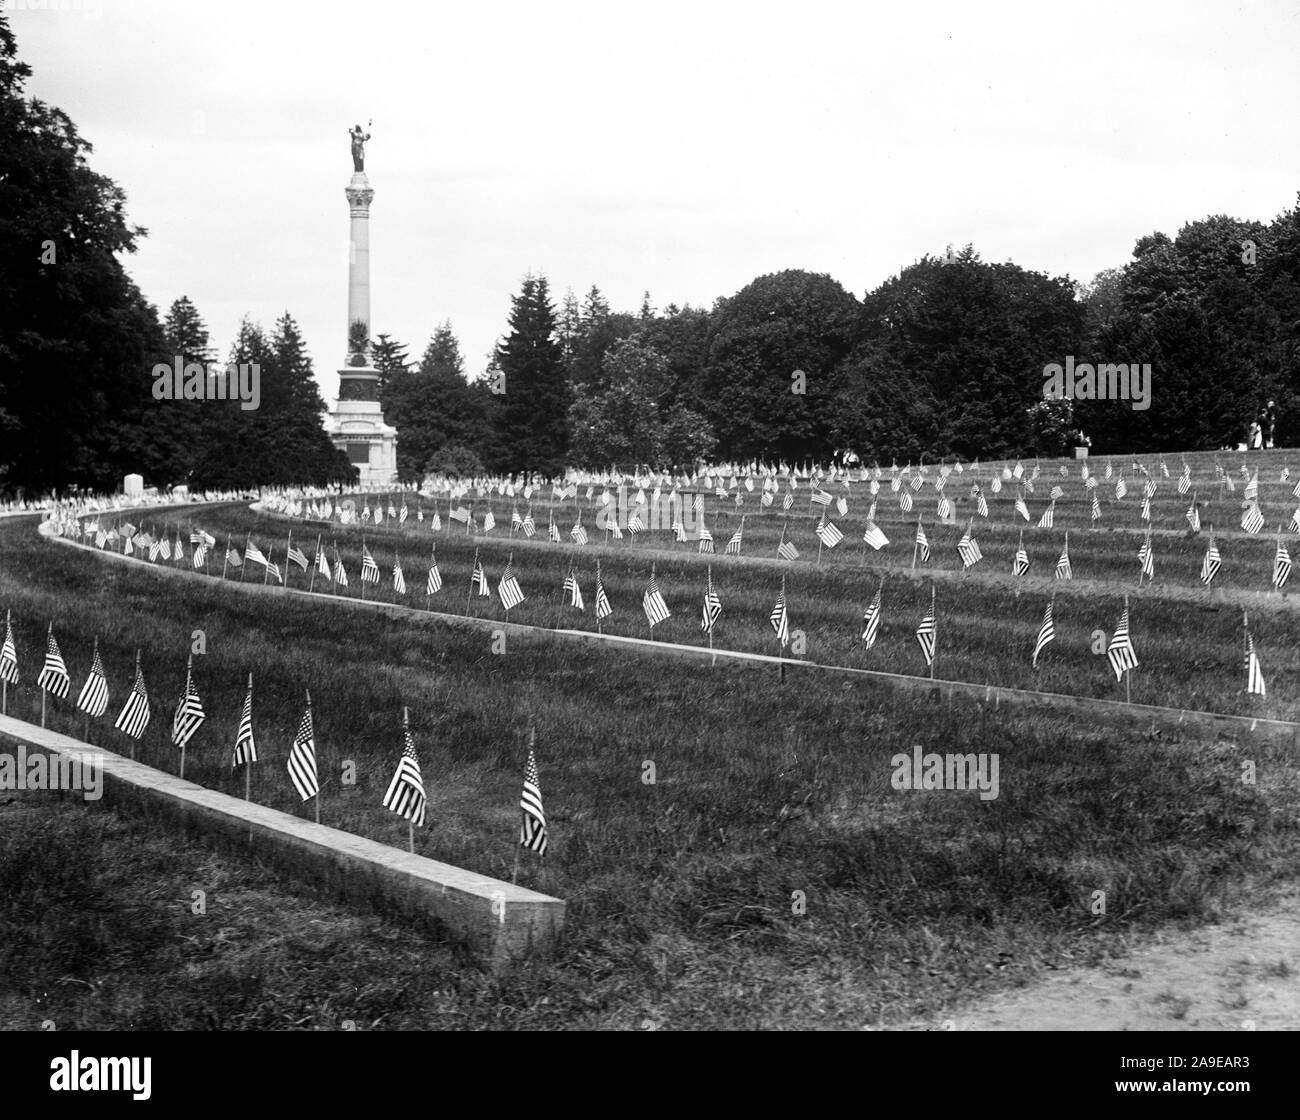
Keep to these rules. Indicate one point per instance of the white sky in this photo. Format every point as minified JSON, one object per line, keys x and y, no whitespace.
{"x":684,"y":148}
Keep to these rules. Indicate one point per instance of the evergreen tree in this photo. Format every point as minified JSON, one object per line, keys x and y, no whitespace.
{"x":533,"y":429}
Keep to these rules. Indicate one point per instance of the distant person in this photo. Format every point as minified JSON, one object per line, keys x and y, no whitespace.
{"x":1270,"y":422}
{"x":1253,"y":436}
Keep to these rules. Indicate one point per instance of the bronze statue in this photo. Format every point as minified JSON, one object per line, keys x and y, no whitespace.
{"x":358,"y":148}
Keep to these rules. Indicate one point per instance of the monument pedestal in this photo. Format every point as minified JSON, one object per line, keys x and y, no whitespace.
{"x":357,"y":426}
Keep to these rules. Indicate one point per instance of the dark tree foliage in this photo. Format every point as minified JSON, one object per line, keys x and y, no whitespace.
{"x":770,"y":330}
{"x":533,"y":415}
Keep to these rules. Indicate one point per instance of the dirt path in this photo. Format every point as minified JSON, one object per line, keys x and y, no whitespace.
{"x":1241,"y":974}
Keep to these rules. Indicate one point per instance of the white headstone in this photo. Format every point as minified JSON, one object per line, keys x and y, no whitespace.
{"x":133,"y":486}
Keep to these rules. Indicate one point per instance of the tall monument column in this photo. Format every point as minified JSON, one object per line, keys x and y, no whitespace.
{"x":357,"y":423}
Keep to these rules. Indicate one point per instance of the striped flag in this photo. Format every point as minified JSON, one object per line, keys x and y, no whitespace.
{"x":134,"y":717}
{"x":969,"y":549}
{"x":9,"y":655}
{"x":944,"y":510}
{"x":532,"y":825}
{"x":302,"y":756}
{"x":1063,"y":569}
{"x":527,"y":524}
{"x":1021,"y":508}
{"x":435,"y":522}
{"x":1252,"y":520}
{"x":552,"y":533}
{"x":1145,"y":514}
{"x":233,"y":558}
{"x":1056,"y":493}
{"x":508,"y":589}
{"x":402,"y":516}
{"x":573,"y":591}
{"x":603,"y":609}
{"x":1146,"y":558}
{"x":578,"y":533}
{"x":780,"y":619}
{"x":652,"y":602}
{"x":1194,"y":516}
{"x":94,"y":694}
{"x":925,"y":635}
{"x":821,"y":497}
{"x":399,"y":580}
{"x":1120,"y":652}
{"x":369,"y":569}
{"x":1096,"y":508}
{"x":296,"y":556}
{"x":340,"y":573}
{"x":406,"y":796}
{"x":200,"y":555}
{"x":733,"y":545}
{"x":828,"y":533}
{"x":251,"y":552}
{"x":871,"y":619}
{"x":434,"y":583}
{"x":1020,"y":566}
{"x":922,"y":542}
{"x":1048,"y":518}
{"x":1210,"y":565}
{"x":1046,"y":633}
{"x":1185,"y":481}
{"x":874,"y":536}
{"x":1281,"y":565}
{"x":1254,"y":674}
{"x":712,"y":606}
{"x":489,"y":522}
{"x":245,"y":748}
{"x":905,"y":502}
{"x":189,"y":715}
{"x":323,"y":564}
{"x":478,"y":579}
{"x":706,"y":538}
{"x":788,"y":500}
{"x":1294,"y":527}
{"x":634,"y":523}
{"x":54,"y":674}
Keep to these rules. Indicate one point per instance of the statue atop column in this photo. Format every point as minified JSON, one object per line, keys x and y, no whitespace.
{"x":358,"y":148}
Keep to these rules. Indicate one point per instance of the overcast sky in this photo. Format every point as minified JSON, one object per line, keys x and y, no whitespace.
{"x":683,"y":148}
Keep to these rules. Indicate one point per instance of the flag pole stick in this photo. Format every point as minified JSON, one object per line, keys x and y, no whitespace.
{"x":287,"y":549}
{"x":934,"y":636}
{"x":227,"y":559}
{"x":43,"y":694}
{"x":182,"y":773}
{"x":266,"y":572}
{"x":311,"y":583}
{"x":243,"y":567}
{"x":916,"y":545}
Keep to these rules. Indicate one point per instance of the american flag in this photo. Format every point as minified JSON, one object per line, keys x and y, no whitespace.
{"x":652,"y":602}
{"x":871,"y":619}
{"x":1146,"y":558}
{"x":712,"y":606}
{"x":968,"y":549}
{"x":134,"y":717}
{"x":788,"y":500}
{"x":1252,"y":520}
{"x":706,"y":538}
{"x":553,"y":533}
{"x":1096,"y":508}
{"x":922,"y":542}
{"x":435,"y":522}
{"x":460,"y":513}
{"x":1063,"y":569}
{"x":406,"y":796}
{"x":603,"y":609}
{"x":478,"y":580}
{"x":532,"y":825}
{"x":379,"y":514}
{"x":1194,"y":517}
{"x":1021,"y":508}
{"x":578,"y":533}
{"x":1185,"y":481}
{"x":54,"y":674}
{"x":1294,"y":526}
{"x":399,"y":580}
{"x":996,"y":485}
{"x":573,"y":591}
{"x":634,"y":523}
{"x":200,"y":555}
{"x":233,"y":557}
{"x":365,"y":514}
{"x":189,"y":714}
{"x":780,"y":619}
{"x":1254,"y":674}
{"x":925,"y":635}
{"x":434,"y":584}
{"x":402,"y":516}
{"x":828,"y":533}
{"x":1020,"y":566}
{"x":1252,"y":489}
{"x":340,"y":574}
{"x":733,"y":545}
{"x":1210,"y":565}
{"x":489,"y":522}
{"x":297,"y":556}
{"x":1056,"y":493}
{"x":302,"y":756}
{"x":9,"y":655}
{"x":874,"y":536}
{"x":1145,"y":513}
{"x":323,"y":564}
{"x":916,"y":482}
{"x":508,"y":589}
{"x":905,"y":502}
{"x":516,"y":522}
{"x":1120,"y":652}
{"x":251,"y":551}
{"x":1049,"y":516}
{"x":527,"y":524}
{"x":944,"y":510}
{"x":94,"y":695}
{"x":1281,"y":565}
{"x":821,"y":497}
{"x":245,"y":748}
{"x":369,"y":569}
{"x":1046,"y":633}
{"x":164,"y":549}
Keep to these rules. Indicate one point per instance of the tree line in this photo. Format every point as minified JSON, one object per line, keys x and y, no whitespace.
{"x":945,"y":359}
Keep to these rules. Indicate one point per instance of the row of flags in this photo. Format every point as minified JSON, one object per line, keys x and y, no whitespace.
{"x":404,"y":796}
